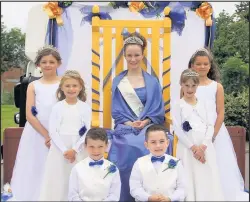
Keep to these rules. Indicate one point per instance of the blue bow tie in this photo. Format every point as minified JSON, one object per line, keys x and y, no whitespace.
{"x":154,"y":159}
{"x":96,"y":163}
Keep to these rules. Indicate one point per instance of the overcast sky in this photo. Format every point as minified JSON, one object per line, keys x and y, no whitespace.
{"x":15,"y":14}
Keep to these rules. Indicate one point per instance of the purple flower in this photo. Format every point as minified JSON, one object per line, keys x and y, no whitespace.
{"x":34,"y":110}
{"x":172,"y":163}
{"x":82,"y":130}
{"x":111,"y":169}
{"x":186,"y":126}
{"x":6,"y":196}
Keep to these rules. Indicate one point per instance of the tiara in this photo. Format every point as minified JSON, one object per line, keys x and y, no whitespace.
{"x":47,"y":47}
{"x":71,"y":72}
{"x":204,"y":50}
{"x":133,"y":40}
{"x":192,"y":73}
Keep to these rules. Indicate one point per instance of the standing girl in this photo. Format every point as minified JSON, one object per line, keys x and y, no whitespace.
{"x":209,"y":89}
{"x":35,"y":140}
{"x":70,"y":119}
{"x":195,"y":147}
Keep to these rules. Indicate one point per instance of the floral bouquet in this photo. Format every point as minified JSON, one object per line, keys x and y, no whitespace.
{"x":6,"y":194}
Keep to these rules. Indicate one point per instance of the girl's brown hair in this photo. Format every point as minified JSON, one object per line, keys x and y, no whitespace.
{"x":45,"y":51}
{"x":71,"y":74}
{"x":213,"y":73}
{"x":138,"y":35}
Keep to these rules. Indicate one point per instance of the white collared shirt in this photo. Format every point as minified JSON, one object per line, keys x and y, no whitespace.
{"x":138,"y":191}
{"x":75,"y":188}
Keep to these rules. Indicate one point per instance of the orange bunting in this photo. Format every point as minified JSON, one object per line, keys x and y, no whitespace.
{"x":136,"y":6}
{"x":205,"y":11}
{"x":54,"y":12}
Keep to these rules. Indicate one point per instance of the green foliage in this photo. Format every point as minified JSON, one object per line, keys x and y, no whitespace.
{"x":237,"y":109}
{"x":242,"y":10}
{"x":7,"y":117}
{"x":235,"y":75}
{"x":7,"y":98}
{"x":12,"y":48}
{"x":231,"y":37}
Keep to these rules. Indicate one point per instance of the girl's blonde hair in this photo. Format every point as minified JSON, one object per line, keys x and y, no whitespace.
{"x":189,"y":74}
{"x":71,"y":74}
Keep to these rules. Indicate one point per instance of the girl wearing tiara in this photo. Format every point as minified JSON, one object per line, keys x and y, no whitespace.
{"x":136,"y":103}
{"x":195,"y":148}
{"x":35,"y":141}
{"x":210,"y":90}
{"x":69,"y":121}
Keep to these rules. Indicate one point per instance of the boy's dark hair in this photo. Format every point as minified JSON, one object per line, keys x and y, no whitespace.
{"x":97,"y":134}
{"x":156,"y":127}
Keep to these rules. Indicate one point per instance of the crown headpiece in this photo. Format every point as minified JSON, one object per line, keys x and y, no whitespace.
{"x":204,"y":50}
{"x":133,"y":40}
{"x":72,"y":72}
{"x":47,"y":47}
{"x":192,"y":73}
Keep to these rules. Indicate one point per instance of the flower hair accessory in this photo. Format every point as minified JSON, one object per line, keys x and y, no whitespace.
{"x":133,"y":40}
{"x":186,"y":126}
{"x":111,"y":169}
{"x":171,"y":164}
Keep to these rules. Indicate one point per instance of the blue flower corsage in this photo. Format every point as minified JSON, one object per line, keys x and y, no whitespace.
{"x":7,"y":192}
{"x":82,"y":131}
{"x":111,"y":169}
{"x":34,"y":110}
{"x":186,"y":126}
{"x":171,"y":164}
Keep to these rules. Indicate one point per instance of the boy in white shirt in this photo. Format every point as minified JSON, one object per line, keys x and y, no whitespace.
{"x":95,"y":178}
{"x":157,"y":176}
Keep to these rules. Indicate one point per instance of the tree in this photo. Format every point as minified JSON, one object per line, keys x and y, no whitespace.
{"x":235,"y":75}
{"x":12,"y":48}
{"x":231,"y":38}
{"x":242,"y":10}
{"x":223,"y":48}
{"x":237,"y":110}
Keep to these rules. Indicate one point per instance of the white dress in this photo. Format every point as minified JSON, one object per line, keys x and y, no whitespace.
{"x":231,"y":178}
{"x":203,"y":182}
{"x":32,"y":152}
{"x":65,"y":122}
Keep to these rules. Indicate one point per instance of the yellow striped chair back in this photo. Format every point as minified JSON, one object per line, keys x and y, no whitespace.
{"x":109,"y":32}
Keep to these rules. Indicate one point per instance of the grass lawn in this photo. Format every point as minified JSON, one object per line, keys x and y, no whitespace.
{"x":7,"y":117}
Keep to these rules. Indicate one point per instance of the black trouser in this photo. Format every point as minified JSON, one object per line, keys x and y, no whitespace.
{"x":1,"y":152}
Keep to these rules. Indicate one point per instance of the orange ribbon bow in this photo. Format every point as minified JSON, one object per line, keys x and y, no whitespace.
{"x":205,"y":11}
{"x":54,"y":11}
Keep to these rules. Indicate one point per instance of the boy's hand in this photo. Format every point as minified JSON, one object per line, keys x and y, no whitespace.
{"x":165,"y":198}
{"x":155,"y":197}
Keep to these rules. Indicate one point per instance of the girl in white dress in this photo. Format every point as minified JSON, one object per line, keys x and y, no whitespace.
{"x":212,"y":91}
{"x":35,"y":140}
{"x":69,"y":121}
{"x":195,"y":148}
